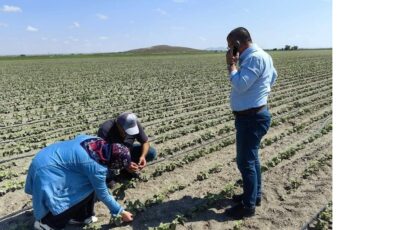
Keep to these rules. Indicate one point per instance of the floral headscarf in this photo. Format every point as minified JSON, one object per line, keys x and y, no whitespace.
{"x":115,"y":156}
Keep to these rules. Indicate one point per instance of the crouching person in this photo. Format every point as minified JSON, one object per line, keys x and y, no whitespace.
{"x":126,"y":129}
{"x":66,"y":177}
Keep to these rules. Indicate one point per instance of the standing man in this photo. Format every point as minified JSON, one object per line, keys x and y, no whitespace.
{"x":250,"y":86}
{"x":125,"y":129}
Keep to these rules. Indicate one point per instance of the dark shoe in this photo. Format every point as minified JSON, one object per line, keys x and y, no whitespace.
{"x":239,"y":211}
{"x":238,"y":199}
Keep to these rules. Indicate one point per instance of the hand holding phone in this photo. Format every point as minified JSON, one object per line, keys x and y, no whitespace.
{"x":236,"y":48}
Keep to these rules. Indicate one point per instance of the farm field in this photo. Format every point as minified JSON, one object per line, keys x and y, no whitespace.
{"x":183,"y":103}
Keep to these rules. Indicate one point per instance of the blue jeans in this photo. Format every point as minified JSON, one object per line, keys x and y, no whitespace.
{"x":250,"y":129}
{"x":137,"y":150}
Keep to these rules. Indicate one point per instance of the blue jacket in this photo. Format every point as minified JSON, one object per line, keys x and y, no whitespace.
{"x":63,"y":174}
{"x":252,"y":83}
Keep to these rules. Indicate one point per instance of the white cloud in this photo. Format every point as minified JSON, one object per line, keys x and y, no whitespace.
{"x":44,"y":38}
{"x":31,"y":29}
{"x":76,"y":25}
{"x":3,"y":25}
{"x":11,"y":9}
{"x":102,"y":16}
{"x":103,"y":38}
{"x":161,"y":11}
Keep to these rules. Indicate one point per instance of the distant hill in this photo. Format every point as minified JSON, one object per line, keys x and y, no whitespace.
{"x":164,"y":49}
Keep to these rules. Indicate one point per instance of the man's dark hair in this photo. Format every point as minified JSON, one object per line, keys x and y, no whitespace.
{"x":241,"y":34}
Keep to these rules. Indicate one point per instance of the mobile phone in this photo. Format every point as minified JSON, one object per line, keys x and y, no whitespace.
{"x":235,"y":48}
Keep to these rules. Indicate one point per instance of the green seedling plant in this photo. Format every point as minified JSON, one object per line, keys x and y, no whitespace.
{"x":238,"y":224}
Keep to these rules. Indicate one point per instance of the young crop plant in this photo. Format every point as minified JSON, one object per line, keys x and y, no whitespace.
{"x":175,"y":188}
{"x":179,"y":219}
{"x":293,"y":150}
{"x":4,"y":175}
{"x":323,"y":221}
{"x":238,"y":224}
{"x":135,"y":206}
{"x":202,"y":176}
{"x":211,"y":199}
{"x":94,"y":226}
{"x":215,"y":169}
{"x":11,"y":186}
{"x":293,"y":184}
{"x":157,"y":199}
{"x":314,"y":166}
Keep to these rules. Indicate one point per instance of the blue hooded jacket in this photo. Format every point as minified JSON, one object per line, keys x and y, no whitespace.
{"x":62,"y":175}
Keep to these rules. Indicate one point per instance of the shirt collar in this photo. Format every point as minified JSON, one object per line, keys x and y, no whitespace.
{"x":253,"y":47}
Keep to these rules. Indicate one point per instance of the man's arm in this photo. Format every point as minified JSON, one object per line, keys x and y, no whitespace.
{"x":143,"y":139}
{"x":145,"y":147}
{"x":243,"y":79}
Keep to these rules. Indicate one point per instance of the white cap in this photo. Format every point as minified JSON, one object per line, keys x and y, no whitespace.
{"x":128,"y":121}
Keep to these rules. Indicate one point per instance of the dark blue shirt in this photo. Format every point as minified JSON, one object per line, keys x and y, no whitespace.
{"x":110,"y":133}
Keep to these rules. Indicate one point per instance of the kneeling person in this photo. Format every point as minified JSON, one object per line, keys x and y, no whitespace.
{"x":125,"y":129}
{"x":66,"y":177}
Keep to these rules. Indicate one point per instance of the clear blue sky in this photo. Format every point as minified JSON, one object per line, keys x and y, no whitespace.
{"x":85,"y":26}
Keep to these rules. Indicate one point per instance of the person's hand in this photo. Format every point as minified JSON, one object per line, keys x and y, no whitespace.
{"x":133,"y":167}
{"x":230,"y":59}
{"x":126,"y":216}
{"x":142,"y":162}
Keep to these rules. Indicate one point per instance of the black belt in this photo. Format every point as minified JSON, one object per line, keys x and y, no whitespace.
{"x":249,"y":111}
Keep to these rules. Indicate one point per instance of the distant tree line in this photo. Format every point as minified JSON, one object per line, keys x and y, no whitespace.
{"x":287,"y":47}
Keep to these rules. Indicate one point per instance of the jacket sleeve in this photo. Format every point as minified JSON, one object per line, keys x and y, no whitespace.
{"x":29,"y":181}
{"x":97,"y":175}
{"x":248,"y":73}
